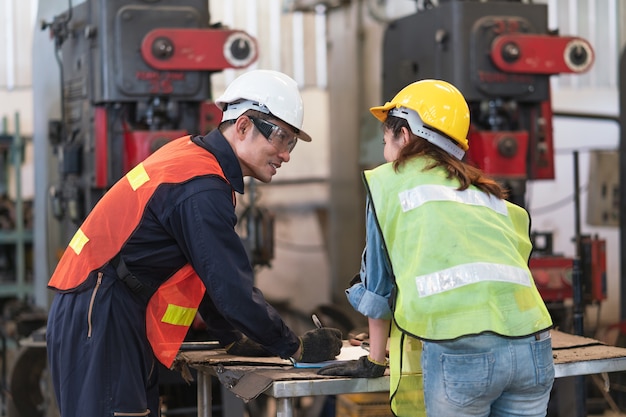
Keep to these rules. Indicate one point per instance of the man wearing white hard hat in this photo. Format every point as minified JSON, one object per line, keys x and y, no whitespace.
{"x":160,"y":246}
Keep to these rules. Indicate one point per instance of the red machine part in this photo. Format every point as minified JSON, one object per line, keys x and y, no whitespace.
{"x":520,"y":58}
{"x":102,"y":149}
{"x":541,"y":54}
{"x":210,"y":116}
{"x":170,"y":49}
{"x":597,"y":266}
{"x":139,"y":144}
{"x":553,"y":277}
{"x":553,"y":273}
{"x":500,"y":154}
{"x":172,"y":52}
{"x":541,"y":155}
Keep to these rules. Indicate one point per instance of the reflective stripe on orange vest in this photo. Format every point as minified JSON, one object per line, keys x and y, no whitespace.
{"x":175,"y":303}
{"x":171,"y":311}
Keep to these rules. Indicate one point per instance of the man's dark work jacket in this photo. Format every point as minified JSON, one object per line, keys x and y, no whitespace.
{"x":173,"y":307}
{"x":170,"y":216}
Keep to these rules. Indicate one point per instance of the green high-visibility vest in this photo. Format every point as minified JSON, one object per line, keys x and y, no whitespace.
{"x":459,"y":258}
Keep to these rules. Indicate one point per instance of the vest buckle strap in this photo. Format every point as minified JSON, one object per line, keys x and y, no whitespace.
{"x":131,"y":281}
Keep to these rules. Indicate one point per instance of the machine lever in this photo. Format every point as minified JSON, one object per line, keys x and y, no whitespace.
{"x":541,"y":54}
{"x":175,"y":49}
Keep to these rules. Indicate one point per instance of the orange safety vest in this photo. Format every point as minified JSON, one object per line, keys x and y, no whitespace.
{"x":112,"y":221}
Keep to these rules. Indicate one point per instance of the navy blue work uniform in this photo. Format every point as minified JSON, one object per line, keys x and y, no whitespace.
{"x":100,"y":360}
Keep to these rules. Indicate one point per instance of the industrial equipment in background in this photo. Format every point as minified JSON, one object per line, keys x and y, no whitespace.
{"x":134,"y":75}
{"x":500,"y":54}
{"x":17,"y":315}
{"x":16,"y":218}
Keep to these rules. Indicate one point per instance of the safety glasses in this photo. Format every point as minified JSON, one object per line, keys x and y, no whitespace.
{"x":282,"y":139}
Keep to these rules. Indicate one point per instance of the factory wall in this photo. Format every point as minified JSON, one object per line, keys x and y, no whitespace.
{"x":16,"y":34}
{"x":317,"y":198}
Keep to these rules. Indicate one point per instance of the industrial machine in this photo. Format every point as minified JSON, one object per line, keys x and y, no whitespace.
{"x":500,"y":54}
{"x":134,"y":76}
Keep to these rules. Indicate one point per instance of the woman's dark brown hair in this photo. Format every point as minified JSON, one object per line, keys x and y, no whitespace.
{"x":465,"y":173}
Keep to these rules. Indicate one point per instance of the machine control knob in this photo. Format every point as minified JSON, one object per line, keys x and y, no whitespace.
{"x":507,"y":146}
{"x":162,"y":48}
{"x":510,"y":52}
{"x":578,"y":55}
{"x":239,"y":49}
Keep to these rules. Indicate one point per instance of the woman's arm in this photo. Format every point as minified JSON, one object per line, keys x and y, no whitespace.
{"x":379,"y":332}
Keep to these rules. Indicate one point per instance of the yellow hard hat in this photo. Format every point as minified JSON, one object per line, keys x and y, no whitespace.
{"x":438,"y":105}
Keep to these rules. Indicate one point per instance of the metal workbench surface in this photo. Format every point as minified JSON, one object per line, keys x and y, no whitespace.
{"x":249,"y":377}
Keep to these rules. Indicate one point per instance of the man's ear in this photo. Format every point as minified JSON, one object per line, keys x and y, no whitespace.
{"x":242,"y":125}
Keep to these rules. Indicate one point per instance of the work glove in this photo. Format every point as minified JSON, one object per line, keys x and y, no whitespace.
{"x":247,"y":347}
{"x":320,"y":345}
{"x":364,"y":367}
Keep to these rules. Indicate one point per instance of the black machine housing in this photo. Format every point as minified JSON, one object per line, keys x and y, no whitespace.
{"x":116,"y":109}
{"x":452,"y":42}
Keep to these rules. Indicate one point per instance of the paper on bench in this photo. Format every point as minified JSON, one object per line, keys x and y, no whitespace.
{"x":347,"y":353}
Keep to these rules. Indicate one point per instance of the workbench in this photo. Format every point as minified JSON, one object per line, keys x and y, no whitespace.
{"x":247,"y":378}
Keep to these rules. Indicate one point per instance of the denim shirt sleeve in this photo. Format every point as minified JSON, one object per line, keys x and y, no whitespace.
{"x":370,"y":296}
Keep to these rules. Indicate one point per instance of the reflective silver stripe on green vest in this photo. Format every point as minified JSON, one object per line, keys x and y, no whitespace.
{"x":459,"y":258}
{"x":458,"y":276}
{"x":416,"y":197}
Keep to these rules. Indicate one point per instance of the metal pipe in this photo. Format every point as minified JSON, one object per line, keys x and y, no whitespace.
{"x":204,"y":395}
{"x":577,"y":206}
{"x":622,"y":176}
{"x":577,"y":284}
{"x":321,"y":66}
{"x":10,"y":45}
{"x":284,"y":407}
{"x":592,"y":31}
{"x":297,"y":48}
{"x":252,"y":24}
{"x":275,"y":35}
{"x":228,"y":19}
{"x":573,"y":21}
{"x":579,"y":381}
{"x":20,"y":272}
{"x":579,"y":115}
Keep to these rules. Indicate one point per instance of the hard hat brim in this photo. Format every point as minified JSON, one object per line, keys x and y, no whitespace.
{"x":302,"y":135}
{"x":381,"y":112}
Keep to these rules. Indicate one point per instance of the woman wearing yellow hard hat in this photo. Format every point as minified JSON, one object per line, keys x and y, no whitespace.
{"x":445,"y":273}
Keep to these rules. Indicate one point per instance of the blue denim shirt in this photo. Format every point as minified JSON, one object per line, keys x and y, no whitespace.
{"x":370,"y":296}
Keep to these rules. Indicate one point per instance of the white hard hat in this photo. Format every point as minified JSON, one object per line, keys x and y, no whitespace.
{"x":267,"y":91}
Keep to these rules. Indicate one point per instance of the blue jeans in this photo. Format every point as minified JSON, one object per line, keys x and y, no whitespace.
{"x":488,"y":375}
